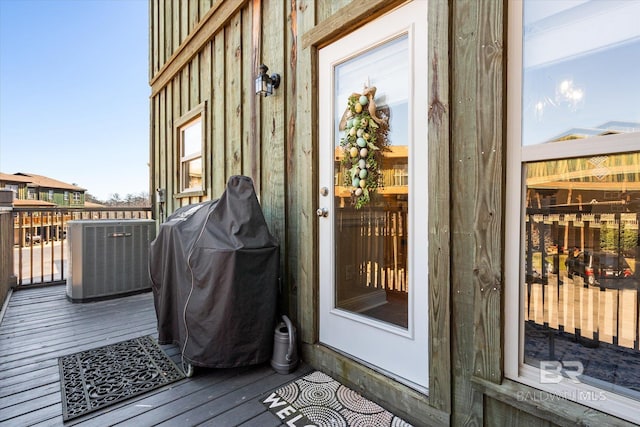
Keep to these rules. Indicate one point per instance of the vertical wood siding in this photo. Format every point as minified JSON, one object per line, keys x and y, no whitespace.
{"x":233,"y":97}
{"x":247,"y":96}
{"x":326,"y":9}
{"x":303,"y":267}
{"x":476,"y":200}
{"x":291,"y":245}
{"x":220,"y":74}
{"x":498,"y":414}
{"x":213,"y":76}
{"x":218,"y":127}
{"x":272,"y":128}
{"x":171,"y":22}
{"x":439,"y":116}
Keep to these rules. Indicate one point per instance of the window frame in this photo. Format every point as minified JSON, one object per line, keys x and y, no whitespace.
{"x":193,"y":115}
{"x":517,"y":156}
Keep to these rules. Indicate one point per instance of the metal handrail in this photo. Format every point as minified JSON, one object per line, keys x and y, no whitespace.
{"x":40,"y":234}
{"x":549,"y":281}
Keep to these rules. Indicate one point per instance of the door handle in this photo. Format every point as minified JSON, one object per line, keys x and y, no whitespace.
{"x":322,"y":212}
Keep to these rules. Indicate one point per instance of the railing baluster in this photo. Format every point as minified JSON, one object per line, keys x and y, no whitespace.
{"x":20,"y":245}
{"x":62,"y":240}
{"x":41,"y":248}
{"x":31,"y":248}
{"x":617,"y":301}
{"x":50,"y":237}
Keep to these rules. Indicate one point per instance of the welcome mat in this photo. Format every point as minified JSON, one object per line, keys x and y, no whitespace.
{"x":319,"y":400}
{"x":100,"y":377}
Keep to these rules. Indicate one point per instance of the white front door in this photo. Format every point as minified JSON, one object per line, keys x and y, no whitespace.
{"x":373,"y":252}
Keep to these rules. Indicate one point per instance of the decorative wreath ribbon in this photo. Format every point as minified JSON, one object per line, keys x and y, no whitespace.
{"x":364,"y":135}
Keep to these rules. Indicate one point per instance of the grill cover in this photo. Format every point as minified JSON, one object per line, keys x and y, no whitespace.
{"x":214,"y":272}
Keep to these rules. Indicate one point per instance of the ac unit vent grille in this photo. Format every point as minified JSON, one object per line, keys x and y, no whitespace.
{"x":108,"y":258}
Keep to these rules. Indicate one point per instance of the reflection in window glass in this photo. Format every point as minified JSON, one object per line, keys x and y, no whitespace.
{"x":192,"y":138}
{"x":581,"y":62}
{"x":386,"y":68}
{"x":191,"y":155}
{"x":582,"y":253}
{"x":372,"y":274}
{"x":192,"y":173}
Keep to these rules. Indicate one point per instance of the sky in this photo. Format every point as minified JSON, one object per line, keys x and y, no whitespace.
{"x":588,"y":80}
{"x":74,"y":92}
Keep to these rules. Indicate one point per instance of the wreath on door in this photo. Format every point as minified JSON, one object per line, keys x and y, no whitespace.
{"x":365,"y":129}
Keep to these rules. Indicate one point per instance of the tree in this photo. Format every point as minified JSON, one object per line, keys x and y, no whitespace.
{"x":91,"y":198}
{"x":130,"y":200}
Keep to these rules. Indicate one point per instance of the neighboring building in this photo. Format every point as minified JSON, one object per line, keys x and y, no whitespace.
{"x":608,"y":128}
{"x":32,"y":189}
{"x":36,"y":192}
{"x":432,"y":299}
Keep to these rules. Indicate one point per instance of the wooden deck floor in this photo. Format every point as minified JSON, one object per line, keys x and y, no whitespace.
{"x":40,"y":325}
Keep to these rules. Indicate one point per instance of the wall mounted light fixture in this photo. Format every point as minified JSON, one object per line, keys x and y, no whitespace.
{"x":265,"y":84}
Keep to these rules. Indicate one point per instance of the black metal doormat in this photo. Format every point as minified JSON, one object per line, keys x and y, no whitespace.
{"x":96,"y":378}
{"x":319,"y":400}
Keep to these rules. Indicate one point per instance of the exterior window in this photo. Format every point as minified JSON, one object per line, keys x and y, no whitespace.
{"x":76,"y":197}
{"x":66,"y":196}
{"x":573,"y":278}
{"x":31,"y":194}
{"x":400,"y":175}
{"x":190,"y":131}
{"x":50,"y":195}
{"x":12,"y":187}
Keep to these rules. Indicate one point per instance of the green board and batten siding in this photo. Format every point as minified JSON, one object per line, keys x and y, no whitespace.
{"x":205,"y":54}
{"x":207,"y":61}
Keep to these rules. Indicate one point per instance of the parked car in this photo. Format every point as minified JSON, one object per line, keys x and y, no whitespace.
{"x":61,"y":236}
{"x":551,"y":264}
{"x":597,"y":267}
{"x":36,"y":238}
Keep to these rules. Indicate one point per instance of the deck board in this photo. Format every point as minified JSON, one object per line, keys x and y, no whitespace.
{"x":40,"y":325}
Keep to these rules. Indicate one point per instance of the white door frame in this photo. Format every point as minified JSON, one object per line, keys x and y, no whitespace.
{"x":398,"y":352}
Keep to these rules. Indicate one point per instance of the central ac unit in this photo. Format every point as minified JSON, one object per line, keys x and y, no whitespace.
{"x":108,"y":258}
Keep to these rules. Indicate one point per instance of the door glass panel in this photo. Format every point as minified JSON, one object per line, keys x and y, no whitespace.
{"x":371,"y":241}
